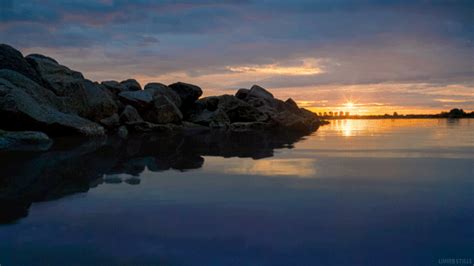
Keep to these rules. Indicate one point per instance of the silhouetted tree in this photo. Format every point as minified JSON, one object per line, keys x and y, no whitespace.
{"x":454,"y":113}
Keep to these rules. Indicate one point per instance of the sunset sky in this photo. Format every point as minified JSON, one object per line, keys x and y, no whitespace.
{"x":383,"y":56}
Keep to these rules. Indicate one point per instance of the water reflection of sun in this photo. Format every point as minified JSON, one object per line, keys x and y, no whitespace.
{"x":345,"y":127}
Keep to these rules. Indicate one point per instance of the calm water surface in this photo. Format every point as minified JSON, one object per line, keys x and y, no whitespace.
{"x":356,"y":192}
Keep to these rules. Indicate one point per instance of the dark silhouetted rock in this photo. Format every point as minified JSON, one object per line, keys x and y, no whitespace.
{"x":187,"y":92}
{"x":141,"y":100}
{"x":282,"y":115}
{"x":161,"y":89}
{"x":114,"y":86}
{"x":24,"y":105}
{"x":131,"y":85}
{"x":163,"y":111}
{"x":81,"y":96}
{"x":12,"y":59}
{"x":24,"y":140}
{"x":130,"y":115}
{"x":153,"y":106}
{"x":221,"y":111}
{"x":242,"y":94}
{"x":144,"y":127}
{"x":259,"y":92}
{"x":122,"y":132}
{"x":112,"y":121}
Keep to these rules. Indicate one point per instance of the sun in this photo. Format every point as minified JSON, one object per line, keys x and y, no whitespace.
{"x":349,"y":104}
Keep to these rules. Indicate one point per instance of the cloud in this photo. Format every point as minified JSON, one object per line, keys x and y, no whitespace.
{"x":287,"y":45}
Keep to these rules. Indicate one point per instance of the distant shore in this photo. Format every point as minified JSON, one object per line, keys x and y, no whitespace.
{"x":392,"y":117}
{"x":452,"y":114}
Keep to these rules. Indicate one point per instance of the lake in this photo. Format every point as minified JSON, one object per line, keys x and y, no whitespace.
{"x":356,"y":192}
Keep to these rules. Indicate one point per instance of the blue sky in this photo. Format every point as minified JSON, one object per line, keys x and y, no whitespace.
{"x":383,"y":55}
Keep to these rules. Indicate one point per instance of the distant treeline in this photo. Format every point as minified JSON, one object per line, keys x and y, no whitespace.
{"x":453,"y":113}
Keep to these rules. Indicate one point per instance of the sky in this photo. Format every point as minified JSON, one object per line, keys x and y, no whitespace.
{"x":383,"y":56}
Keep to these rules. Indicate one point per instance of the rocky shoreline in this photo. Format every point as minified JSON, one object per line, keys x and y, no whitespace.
{"x":41,"y":99}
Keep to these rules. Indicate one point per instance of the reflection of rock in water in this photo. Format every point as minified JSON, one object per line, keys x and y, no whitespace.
{"x":75,"y":165}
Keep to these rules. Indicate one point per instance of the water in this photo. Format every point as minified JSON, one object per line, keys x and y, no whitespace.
{"x":356,"y":192}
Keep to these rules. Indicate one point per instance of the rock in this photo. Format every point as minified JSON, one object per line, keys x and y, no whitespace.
{"x":161,"y":89}
{"x":145,"y":127}
{"x":114,"y":86}
{"x":290,"y":121}
{"x":12,"y":59}
{"x":122,"y":132}
{"x":133,"y":181}
{"x":259,"y":92}
{"x":212,"y":119}
{"x":141,"y":100}
{"x":112,"y":180}
{"x":221,"y":111}
{"x":242,"y":94}
{"x":24,"y":105}
{"x":81,"y":96}
{"x":248,"y":126}
{"x":153,"y":106}
{"x":24,"y":140}
{"x":163,"y":111}
{"x":112,"y":121}
{"x":194,"y":128}
{"x":187,"y":92}
{"x":130,"y":115}
{"x":291,"y":105}
{"x":282,"y":115}
{"x":131,"y":85}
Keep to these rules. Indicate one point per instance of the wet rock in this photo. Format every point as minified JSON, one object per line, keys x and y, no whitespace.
{"x":122,"y":132}
{"x":112,"y":180}
{"x":146,"y":127}
{"x":24,"y":140}
{"x":248,"y":126}
{"x":133,"y":181}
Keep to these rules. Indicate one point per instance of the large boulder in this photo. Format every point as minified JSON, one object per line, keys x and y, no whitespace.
{"x":12,"y":59}
{"x":187,"y":92}
{"x":164,"y":90}
{"x":222,"y":111}
{"x":282,"y":114}
{"x":114,"y":86}
{"x":24,"y":140}
{"x":131,"y":85}
{"x":153,"y":106}
{"x":82,"y":96}
{"x":130,"y":115}
{"x":163,"y":111}
{"x":24,"y":105}
{"x":259,"y":92}
{"x":141,"y":100}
